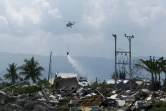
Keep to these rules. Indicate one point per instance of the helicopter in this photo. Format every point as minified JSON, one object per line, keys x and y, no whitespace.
{"x":70,"y":24}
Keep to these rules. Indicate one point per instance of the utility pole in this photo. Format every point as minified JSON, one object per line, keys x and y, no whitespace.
{"x":123,"y":63}
{"x":49,"y":71}
{"x":115,"y":63}
{"x":129,"y":38}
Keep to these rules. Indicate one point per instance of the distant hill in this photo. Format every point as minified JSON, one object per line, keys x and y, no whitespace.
{"x":90,"y":67}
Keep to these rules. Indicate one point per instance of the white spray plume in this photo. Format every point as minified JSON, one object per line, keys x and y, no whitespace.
{"x":76,"y":65}
{"x":79,"y":68}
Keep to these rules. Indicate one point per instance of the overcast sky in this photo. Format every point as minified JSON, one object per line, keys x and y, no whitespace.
{"x":39,"y":26}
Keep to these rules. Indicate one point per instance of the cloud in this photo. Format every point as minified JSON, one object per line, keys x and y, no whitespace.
{"x":39,"y":26}
{"x":3,"y":24}
{"x":94,"y":14}
{"x":3,"y":19}
{"x":45,"y":5}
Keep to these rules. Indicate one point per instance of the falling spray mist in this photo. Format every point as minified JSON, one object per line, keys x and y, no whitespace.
{"x":76,"y":65}
{"x":79,"y":68}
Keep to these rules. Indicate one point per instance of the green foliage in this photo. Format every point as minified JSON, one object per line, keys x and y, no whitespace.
{"x":155,"y":67}
{"x":21,"y":89}
{"x":31,"y":70}
{"x":5,"y":84}
{"x":94,"y":84}
{"x":159,"y":106}
{"x":12,"y":73}
{"x":43,"y":83}
{"x":159,"y":109}
{"x":103,"y":85}
{"x":63,"y":108}
{"x":25,"y":90}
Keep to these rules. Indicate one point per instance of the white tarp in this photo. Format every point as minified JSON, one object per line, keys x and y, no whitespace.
{"x":66,"y":75}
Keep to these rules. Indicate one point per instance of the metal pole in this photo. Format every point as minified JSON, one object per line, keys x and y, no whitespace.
{"x":130,"y":63}
{"x":115,"y":63}
{"x":129,"y":38}
{"x":49,"y":72}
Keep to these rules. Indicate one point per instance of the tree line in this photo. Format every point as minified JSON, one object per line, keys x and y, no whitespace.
{"x":30,"y":70}
{"x":155,"y":67}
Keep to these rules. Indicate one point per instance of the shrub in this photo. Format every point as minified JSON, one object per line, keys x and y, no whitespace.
{"x":159,"y":106}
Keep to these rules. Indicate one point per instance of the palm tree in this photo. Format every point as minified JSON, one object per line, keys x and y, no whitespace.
{"x":12,"y":73}
{"x":31,"y":70}
{"x":149,"y":66}
{"x":155,"y":69}
{"x":161,"y":63}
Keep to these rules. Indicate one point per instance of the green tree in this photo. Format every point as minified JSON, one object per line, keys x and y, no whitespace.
{"x":149,"y":66}
{"x":104,"y":84}
{"x":12,"y":73}
{"x":155,"y":67}
{"x":43,"y":83}
{"x":31,"y":70}
{"x":161,"y":66}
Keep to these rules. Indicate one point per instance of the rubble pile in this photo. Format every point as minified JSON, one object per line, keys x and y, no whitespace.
{"x":29,"y":102}
{"x":81,"y":99}
{"x":120,"y":100}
